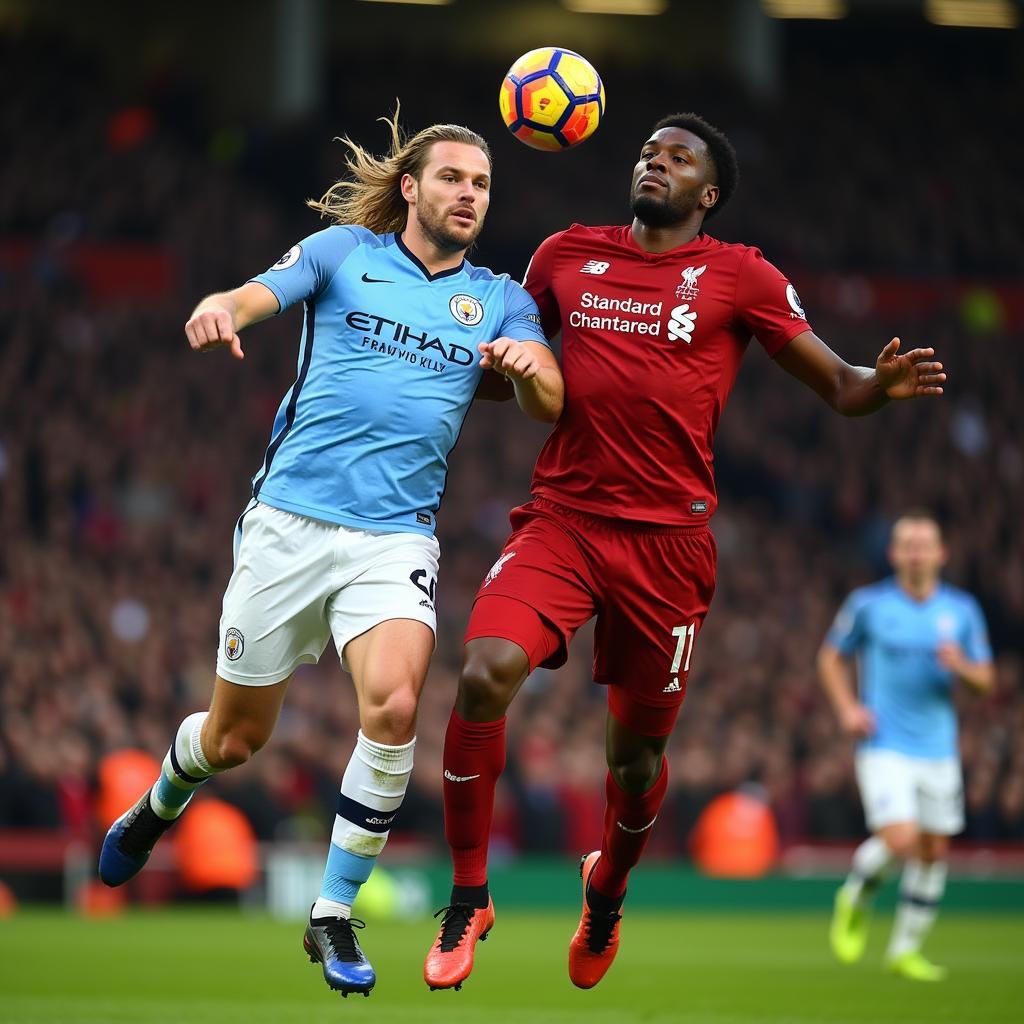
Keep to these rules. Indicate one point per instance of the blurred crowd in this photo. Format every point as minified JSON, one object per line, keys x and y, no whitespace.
{"x":125,"y":460}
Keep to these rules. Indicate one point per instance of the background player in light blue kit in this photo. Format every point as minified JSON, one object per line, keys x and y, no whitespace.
{"x":398,"y":334}
{"x":914,"y":637}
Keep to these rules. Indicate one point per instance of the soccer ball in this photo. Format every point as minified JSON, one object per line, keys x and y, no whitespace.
{"x":551,"y":99}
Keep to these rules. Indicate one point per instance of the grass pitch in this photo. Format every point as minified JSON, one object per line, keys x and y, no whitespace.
{"x":205,"y":967}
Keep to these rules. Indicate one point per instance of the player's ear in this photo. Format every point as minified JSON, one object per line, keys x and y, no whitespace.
{"x":410,"y":188}
{"x":710,"y":196}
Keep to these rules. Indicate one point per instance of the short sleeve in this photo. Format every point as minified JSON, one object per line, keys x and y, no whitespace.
{"x":848,"y":630}
{"x":767,"y":304}
{"x":976,"y":643}
{"x":538,"y":283}
{"x":522,"y":318}
{"x":306,"y":269}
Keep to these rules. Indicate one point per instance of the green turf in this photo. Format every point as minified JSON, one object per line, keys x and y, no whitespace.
{"x":221,"y":968}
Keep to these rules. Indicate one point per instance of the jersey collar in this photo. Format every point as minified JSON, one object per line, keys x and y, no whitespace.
{"x":415,"y":260}
{"x":695,"y":244}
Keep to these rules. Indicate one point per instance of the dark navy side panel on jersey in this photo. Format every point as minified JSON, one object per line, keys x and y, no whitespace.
{"x":387,"y":369}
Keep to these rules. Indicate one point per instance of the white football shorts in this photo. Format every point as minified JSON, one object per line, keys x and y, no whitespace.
{"x":896,"y":787}
{"x":298,"y":581}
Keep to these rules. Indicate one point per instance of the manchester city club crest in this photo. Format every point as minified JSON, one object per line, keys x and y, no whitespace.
{"x":234,"y":644}
{"x":469,"y":311}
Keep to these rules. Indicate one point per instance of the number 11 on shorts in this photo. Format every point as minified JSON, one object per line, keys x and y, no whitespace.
{"x":683,"y":644}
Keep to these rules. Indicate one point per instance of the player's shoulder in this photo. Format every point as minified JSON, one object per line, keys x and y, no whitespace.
{"x":872,"y":593}
{"x":338,"y":240}
{"x":957,"y":596}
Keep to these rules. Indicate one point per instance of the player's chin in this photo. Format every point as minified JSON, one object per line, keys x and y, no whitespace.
{"x":655,"y":211}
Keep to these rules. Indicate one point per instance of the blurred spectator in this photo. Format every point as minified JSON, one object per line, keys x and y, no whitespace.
{"x":124,"y":459}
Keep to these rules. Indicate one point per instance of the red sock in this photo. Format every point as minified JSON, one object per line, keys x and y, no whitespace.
{"x":628,"y":822}
{"x":474,"y":756}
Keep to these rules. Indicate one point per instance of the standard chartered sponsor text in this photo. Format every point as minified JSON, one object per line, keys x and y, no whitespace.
{"x":624,"y":324}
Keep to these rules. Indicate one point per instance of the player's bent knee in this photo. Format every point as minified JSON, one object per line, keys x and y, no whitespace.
{"x":487,"y":685}
{"x":392,"y":718}
{"x":902,"y":840}
{"x":637,"y":775}
{"x":934,"y":848}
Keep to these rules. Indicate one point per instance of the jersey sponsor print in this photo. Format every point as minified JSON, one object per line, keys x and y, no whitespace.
{"x":651,"y":345}
{"x":387,"y":369}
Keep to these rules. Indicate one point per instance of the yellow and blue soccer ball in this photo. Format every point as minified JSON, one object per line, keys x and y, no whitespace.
{"x":552,"y":99}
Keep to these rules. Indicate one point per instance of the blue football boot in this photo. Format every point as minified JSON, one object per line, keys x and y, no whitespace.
{"x":130,"y":841}
{"x":332,"y":941}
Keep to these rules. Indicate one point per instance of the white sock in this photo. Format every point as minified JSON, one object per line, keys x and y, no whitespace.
{"x":870,"y":862}
{"x":371,"y":793}
{"x":185,"y":768}
{"x":330,"y":908}
{"x":921,"y":890}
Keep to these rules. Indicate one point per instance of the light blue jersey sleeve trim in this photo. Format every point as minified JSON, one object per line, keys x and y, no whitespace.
{"x":307,"y":268}
{"x":522,"y":317}
{"x":848,"y":630}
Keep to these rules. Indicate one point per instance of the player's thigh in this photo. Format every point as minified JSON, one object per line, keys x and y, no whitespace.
{"x":539,"y":591}
{"x":888,"y":790}
{"x":657,"y":591}
{"x":384,"y":624}
{"x":940,"y":796}
{"x":273,"y":615}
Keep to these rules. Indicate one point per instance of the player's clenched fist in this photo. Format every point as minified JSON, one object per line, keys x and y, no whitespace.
{"x":510,"y":357}
{"x":211,"y":329}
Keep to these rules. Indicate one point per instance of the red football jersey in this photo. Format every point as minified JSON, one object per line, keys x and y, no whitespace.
{"x":651,"y":345}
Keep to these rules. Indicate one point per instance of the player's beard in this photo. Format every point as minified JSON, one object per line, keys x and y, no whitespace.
{"x":434,"y":224}
{"x":664,"y":212}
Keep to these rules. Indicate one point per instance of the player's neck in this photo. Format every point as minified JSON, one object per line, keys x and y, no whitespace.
{"x":919,"y":590}
{"x":431,"y":256}
{"x":652,"y":239}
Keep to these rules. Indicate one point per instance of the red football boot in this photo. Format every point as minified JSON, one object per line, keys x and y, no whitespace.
{"x":596,"y":941}
{"x":450,"y":959}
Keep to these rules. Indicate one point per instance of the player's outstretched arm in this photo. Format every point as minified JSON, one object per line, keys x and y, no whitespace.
{"x":858,"y":390}
{"x":835,"y":673}
{"x":218,"y":318}
{"x":534,"y":373}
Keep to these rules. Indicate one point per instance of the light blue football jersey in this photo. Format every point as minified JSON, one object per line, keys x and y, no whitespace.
{"x":896,"y":639}
{"x":387,"y":368}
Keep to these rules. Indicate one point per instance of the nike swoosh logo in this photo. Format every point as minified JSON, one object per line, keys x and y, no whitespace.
{"x":376,"y":280}
{"x":459,"y":778}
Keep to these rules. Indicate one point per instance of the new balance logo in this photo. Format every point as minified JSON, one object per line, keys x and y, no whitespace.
{"x":681,"y":323}
{"x":459,"y":778}
{"x":637,"y":831}
{"x":673,"y":687}
{"x":594,"y":267}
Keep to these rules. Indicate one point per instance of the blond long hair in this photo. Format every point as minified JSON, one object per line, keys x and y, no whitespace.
{"x":372,"y":196}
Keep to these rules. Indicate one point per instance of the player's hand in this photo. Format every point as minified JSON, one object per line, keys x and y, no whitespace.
{"x":951,"y":657}
{"x":857,"y":720}
{"x":512,"y":358}
{"x":908,"y":375}
{"x":209,"y":330}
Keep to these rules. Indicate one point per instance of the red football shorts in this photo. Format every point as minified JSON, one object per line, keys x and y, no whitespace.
{"x":649,"y":586}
